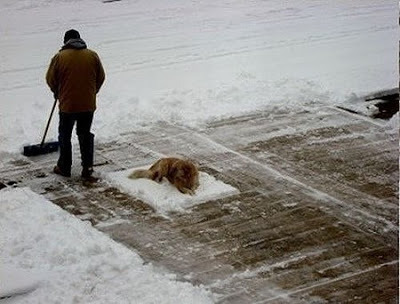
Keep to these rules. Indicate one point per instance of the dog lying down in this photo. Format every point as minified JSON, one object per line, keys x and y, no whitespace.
{"x":183,"y":174}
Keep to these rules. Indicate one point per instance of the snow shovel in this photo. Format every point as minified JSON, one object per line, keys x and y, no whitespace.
{"x":43,"y":148}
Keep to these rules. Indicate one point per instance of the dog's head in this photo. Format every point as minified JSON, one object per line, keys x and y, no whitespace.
{"x":186,"y":174}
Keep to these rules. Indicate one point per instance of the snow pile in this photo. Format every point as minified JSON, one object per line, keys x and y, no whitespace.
{"x":164,"y":197}
{"x":76,"y":263}
{"x":18,"y":281}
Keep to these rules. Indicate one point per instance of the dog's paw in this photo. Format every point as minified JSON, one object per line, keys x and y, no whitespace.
{"x":185,"y":190}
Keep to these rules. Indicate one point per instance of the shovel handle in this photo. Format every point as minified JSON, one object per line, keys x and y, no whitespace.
{"x":48,"y":122}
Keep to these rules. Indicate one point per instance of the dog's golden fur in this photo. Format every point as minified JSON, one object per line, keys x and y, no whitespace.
{"x":183,"y":174}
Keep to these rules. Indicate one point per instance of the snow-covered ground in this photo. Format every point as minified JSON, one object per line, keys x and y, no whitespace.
{"x":186,"y":62}
{"x":71,"y":262}
{"x":191,"y":61}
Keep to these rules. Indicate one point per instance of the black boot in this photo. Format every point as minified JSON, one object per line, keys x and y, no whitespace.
{"x":87,"y":174}
{"x":58,"y":171}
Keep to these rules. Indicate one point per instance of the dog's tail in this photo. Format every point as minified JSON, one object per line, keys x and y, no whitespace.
{"x":141,"y":174}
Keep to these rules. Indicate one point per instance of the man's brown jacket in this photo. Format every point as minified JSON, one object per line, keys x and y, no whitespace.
{"x":75,"y":75}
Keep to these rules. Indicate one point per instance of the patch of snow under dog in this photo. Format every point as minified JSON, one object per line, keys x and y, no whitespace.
{"x":164,"y":197}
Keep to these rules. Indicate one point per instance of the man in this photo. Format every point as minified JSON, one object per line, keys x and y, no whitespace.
{"x":75,"y":76}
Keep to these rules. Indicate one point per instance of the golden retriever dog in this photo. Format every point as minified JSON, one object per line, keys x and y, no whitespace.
{"x":183,"y":174}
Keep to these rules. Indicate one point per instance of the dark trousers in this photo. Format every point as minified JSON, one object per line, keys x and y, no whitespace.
{"x":86,"y":139}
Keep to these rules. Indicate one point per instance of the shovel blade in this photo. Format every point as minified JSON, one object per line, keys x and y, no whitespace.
{"x":40,"y":149}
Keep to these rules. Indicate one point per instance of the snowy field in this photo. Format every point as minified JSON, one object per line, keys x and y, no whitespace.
{"x":185,"y":62}
{"x":191,"y":61}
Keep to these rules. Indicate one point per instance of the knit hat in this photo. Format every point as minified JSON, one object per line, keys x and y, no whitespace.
{"x":71,"y":34}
